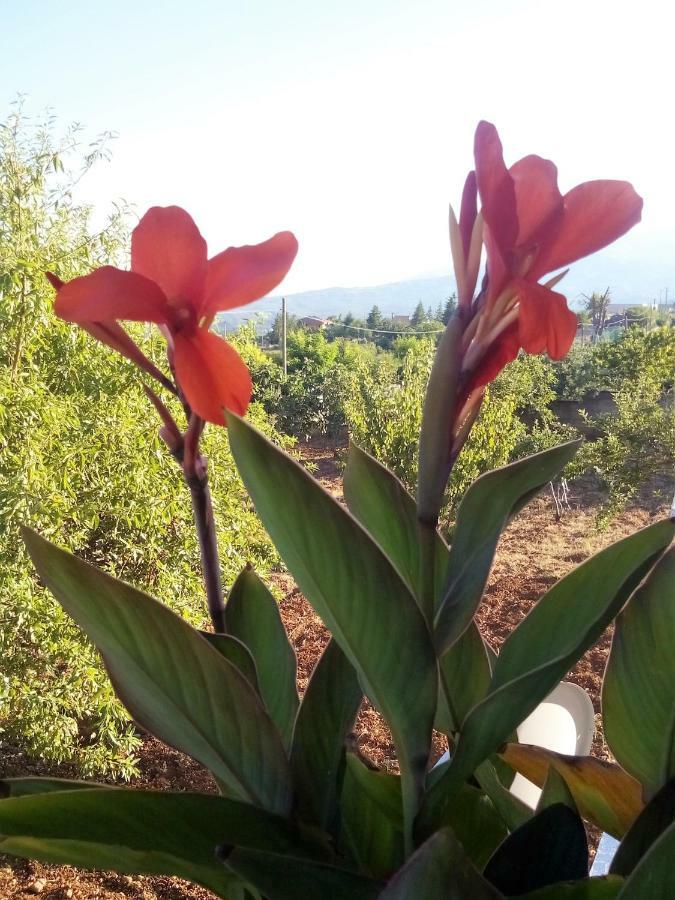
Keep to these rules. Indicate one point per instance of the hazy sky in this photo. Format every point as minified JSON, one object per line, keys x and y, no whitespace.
{"x":351,"y":123}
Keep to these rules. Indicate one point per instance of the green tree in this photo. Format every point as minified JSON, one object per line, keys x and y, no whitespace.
{"x":448,"y":309}
{"x":274,"y":334}
{"x":374,"y":319}
{"x":418,"y":316}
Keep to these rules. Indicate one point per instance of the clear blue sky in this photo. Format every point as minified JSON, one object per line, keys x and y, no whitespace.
{"x":351,"y":123}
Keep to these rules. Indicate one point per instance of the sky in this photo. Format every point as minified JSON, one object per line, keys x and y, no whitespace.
{"x":352,"y":123}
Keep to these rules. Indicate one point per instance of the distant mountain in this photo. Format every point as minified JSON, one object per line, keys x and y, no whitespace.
{"x":399,"y":298}
{"x":629,"y":281}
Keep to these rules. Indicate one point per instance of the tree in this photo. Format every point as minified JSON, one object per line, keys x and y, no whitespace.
{"x":450,"y":307}
{"x":438,"y":315}
{"x":418,"y":315}
{"x":374,"y":319}
{"x":274,"y":334}
{"x":597,"y":306}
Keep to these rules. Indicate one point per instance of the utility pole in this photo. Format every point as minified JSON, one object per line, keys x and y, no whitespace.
{"x":283,"y":336}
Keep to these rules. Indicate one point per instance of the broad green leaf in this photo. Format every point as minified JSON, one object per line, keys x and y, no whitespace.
{"x":325,"y":718}
{"x":606,"y":887}
{"x":511,"y":809}
{"x":22,"y":787}
{"x":288,"y":877}
{"x":658,"y":815}
{"x":439,"y":870}
{"x":549,"y":847}
{"x":174,"y":683}
{"x":389,"y":514}
{"x":134,"y":831}
{"x":483,"y":513}
{"x":252,"y":615}
{"x":476,"y":823}
{"x":555,"y":790}
{"x":372,"y":818}
{"x":638,"y":694}
{"x":654,"y":876}
{"x":235,"y":652}
{"x":354,"y":588}
{"x":566,"y":622}
{"x":603,"y":793}
{"x":464,"y":673}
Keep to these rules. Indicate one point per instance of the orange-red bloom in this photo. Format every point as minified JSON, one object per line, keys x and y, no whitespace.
{"x":175,"y":285}
{"x":531,"y":229}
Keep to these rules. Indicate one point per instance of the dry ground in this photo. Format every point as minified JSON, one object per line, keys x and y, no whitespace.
{"x":534,"y":552}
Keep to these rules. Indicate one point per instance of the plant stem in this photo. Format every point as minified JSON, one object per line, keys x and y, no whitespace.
{"x":206,"y":533}
{"x":427,"y":582}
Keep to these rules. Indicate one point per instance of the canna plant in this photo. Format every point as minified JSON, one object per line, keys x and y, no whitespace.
{"x":297,"y":813}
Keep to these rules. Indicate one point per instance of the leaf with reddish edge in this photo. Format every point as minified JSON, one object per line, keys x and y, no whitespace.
{"x":603,"y":792}
{"x":638,"y":693}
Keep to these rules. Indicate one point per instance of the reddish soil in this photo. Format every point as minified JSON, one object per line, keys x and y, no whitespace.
{"x":534,"y":552}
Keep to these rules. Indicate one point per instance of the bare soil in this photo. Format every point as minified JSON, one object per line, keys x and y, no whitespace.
{"x":534,"y":552}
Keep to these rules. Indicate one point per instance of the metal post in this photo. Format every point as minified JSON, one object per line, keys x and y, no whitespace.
{"x":283,"y":336}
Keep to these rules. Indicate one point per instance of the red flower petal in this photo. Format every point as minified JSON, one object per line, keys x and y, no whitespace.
{"x":503,"y":351}
{"x":167,"y":247}
{"x":240,"y":275}
{"x":545,"y":322}
{"x":109,"y":293}
{"x":211,"y":374}
{"x":539,"y":203}
{"x":596,"y":213}
{"x":496,"y":188}
{"x":468,"y":211}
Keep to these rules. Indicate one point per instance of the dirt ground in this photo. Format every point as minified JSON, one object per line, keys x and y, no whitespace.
{"x":534,"y":552}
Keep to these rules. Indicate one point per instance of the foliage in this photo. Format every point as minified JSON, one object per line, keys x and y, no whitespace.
{"x":384,"y":414}
{"x":80,"y":458}
{"x":637,"y":442}
{"x":289,"y":819}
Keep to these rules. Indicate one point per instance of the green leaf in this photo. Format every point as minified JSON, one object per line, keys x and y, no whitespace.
{"x":483,"y":513}
{"x":22,"y":787}
{"x":603,"y":793}
{"x":654,"y":876}
{"x":354,"y":588}
{"x":476,"y":823}
{"x":252,"y":615}
{"x":638,"y":694}
{"x":605,"y":888}
{"x":512,"y":810}
{"x":388,"y":512}
{"x":555,"y":791}
{"x":287,"y":877}
{"x":142,"y":832}
{"x":325,"y":718}
{"x":372,"y":818}
{"x":235,"y":652}
{"x":549,"y":847}
{"x":658,"y":815}
{"x":566,"y":622}
{"x":439,"y":870}
{"x":174,"y":683}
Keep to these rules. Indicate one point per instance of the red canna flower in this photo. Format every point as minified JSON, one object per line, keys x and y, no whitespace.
{"x":531,"y":229}
{"x":173,"y":284}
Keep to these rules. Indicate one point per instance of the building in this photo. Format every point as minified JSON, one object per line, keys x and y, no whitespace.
{"x":311,"y":323}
